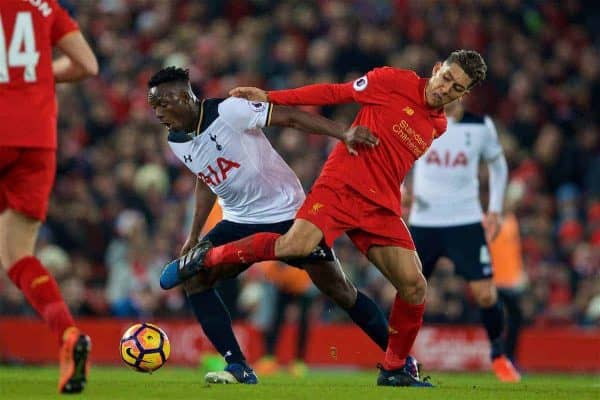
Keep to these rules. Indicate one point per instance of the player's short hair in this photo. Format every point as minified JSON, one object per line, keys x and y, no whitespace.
{"x":169,"y":74}
{"x":471,"y":62}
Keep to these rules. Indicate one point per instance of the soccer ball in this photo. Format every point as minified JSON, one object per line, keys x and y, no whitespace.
{"x":145,"y":347}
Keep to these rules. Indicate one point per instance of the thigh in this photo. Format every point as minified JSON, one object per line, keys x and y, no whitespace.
{"x":400,"y":266}
{"x":381,"y":228}
{"x":330,"y":279}
{"x":328,"y":206}
{"x":27,"y":181}
{"x":428,"y":244}
{"x":8,"y":156}
{"x":468,"y":250}
{"x":18,"y":234}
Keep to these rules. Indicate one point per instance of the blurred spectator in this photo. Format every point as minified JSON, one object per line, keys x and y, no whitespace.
{"x":132,"y":288}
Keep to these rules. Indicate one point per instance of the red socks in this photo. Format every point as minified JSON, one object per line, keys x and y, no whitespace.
{"x":404,"y":324}
{"x":42,"y":292}
{"x":254,"y":248}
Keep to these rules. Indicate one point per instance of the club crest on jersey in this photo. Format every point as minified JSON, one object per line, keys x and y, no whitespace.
{"x":214,"y":139}
{"x":361,"y":83}
{"x":316,"y":208}
{"x":257,"y":106}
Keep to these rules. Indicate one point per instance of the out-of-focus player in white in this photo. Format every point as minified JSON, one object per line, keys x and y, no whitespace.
{"x":446,"y":218}
{"x":29,"y":30}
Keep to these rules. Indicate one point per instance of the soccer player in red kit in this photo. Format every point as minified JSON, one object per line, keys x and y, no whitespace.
{"x":360,"y":195}
{"x":29,"y":30}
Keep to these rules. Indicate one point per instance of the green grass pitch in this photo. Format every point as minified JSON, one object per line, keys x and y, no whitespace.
{"x":113,"y":383}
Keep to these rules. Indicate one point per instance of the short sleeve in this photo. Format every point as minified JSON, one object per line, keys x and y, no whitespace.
{"x":243,"y":114}
{"x":376,"y":86}
{"x":492,"y":148}
{"x":62,"y":24}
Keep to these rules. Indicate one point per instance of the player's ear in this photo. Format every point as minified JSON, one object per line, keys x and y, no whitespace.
{"x":436,"y":68}
{"x":183,"y":97}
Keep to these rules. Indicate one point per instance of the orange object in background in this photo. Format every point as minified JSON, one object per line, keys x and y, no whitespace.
{"x":287,"y":279}
{"x":215,"y":216}
{"x":505,"y":251}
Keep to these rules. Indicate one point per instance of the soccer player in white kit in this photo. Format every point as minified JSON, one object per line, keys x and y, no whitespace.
{"x":221,"y":141}
{"x":446,"y":217}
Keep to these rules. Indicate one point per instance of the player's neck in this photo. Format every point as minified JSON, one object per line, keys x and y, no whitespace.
{"x":456,"y":114}
{"x":193,"y":126}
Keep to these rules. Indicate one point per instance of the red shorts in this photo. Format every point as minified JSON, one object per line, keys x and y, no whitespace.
{"x":336,"y":208}
{"x":26,"y":179}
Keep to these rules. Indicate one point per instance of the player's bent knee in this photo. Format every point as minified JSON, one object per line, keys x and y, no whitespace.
{"x":487,"y":299}
{"x":292,"y":246}
{"x":485,"y":293}
{"x":415,"y":291}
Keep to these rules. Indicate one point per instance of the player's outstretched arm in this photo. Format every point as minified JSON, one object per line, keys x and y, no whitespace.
{"x":78,"y":60}
{"x":205,"y":201}
{"x":314,"y":123}
{"x":317,"y":95}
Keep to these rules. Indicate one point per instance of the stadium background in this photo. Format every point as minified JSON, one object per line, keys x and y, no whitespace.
{"x":122,"y":202}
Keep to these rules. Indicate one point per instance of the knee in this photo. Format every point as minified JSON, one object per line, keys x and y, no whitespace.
{"x":414,"y":290}
{"x":293,"y":245}
{"x":487,"y":297}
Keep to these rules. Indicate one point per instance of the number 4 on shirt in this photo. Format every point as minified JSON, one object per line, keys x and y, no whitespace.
{"x":21,"y":48}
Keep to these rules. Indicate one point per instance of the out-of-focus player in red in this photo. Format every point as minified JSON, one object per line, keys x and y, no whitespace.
{"x":29,"y":30}
{"x":360,"y":194}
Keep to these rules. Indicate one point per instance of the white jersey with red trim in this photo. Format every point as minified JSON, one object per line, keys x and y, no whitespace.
{"x":445,"y":179}
{"x":232,"y":155}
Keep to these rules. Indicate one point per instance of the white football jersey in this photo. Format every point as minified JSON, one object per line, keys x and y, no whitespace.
{"x":445,"y":179}
{"x":233,"y":157}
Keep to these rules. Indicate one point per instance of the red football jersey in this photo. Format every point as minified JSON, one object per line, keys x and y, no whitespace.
{"x":393,"y":107}
{"x":28,"y":32}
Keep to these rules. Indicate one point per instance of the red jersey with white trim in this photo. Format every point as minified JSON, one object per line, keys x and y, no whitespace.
{"x":29,"y":29}
{"x":393,"y":107}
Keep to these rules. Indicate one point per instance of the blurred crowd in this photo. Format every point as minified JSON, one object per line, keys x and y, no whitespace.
{"x":122,"y":202}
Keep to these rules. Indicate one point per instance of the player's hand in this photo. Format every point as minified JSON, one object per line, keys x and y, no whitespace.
{"x":359,"y":135}
{"x":249,"y":93}
{"x":191,"y":241}
{"x":492,"y":222}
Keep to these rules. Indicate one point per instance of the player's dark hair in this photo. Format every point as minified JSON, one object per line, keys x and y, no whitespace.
{"x":169,"y":74}
{"x":471,"y":62}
